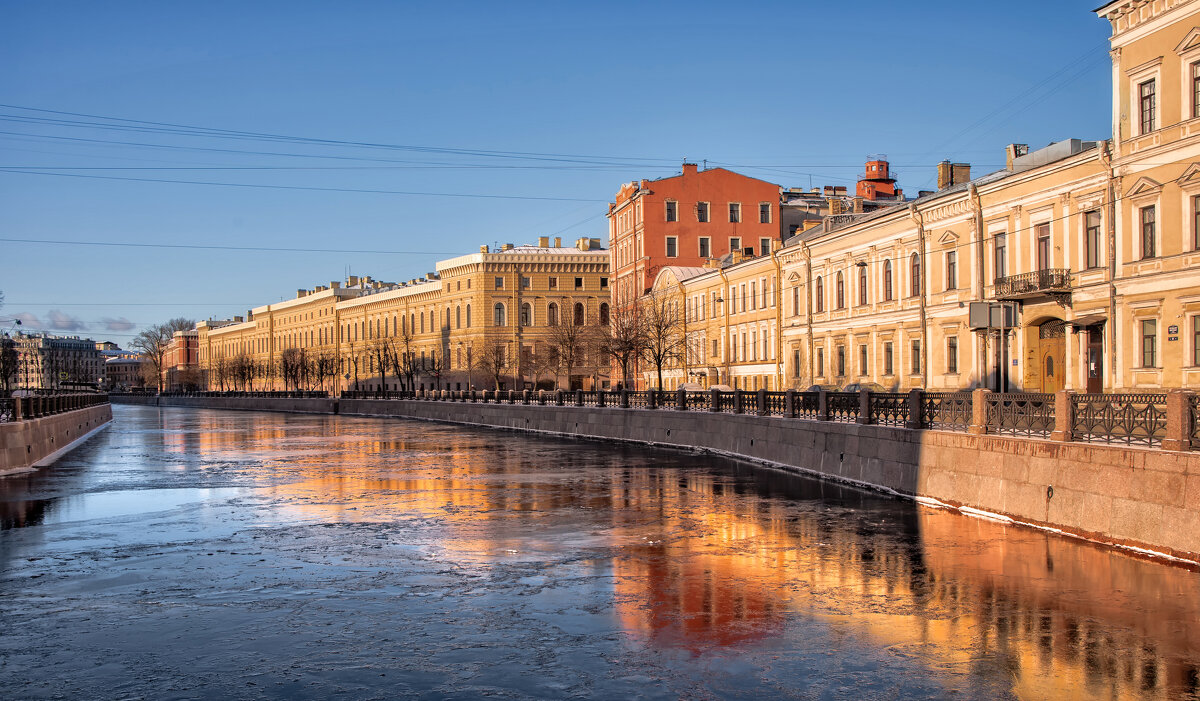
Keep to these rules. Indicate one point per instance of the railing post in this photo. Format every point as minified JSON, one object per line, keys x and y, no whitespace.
{"x":738,"y":403}
{"x":789,"y":403}
{"x":18,"y":409}
{"x":578,"y":397}
{"x":915,"y":400}
{"x":1179,"y":421}
{"x":978,"y":412}
{"x":681,"y":399}
{"x":1064,"y":417}
{"x":864,"y":406}
{"x":762,"y":401}
{"x":651,"y":399}
{"x":624,"y":399}
{"x":822,"y":405}
{"x":601,"y":397}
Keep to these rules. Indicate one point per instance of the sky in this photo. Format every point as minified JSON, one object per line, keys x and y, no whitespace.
{"x":193,"y":159}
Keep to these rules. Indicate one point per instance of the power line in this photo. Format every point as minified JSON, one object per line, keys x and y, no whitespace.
{"x":227,"y":248}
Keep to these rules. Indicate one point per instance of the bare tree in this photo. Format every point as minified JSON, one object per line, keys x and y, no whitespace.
{"x":381,"y":352}
{"x":8,"y":362}
{"x":665,"y":341}
{"x":290,"y":361}
{"x":154,"y":340}
{"x":568,"y":342}
{"x":434,"y":366}
{"x":325,"y":366}
{"x":623,"y":340}
{"x":493,"y":360}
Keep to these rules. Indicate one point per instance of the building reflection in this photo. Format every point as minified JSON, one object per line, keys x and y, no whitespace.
{"x":721,"y":555}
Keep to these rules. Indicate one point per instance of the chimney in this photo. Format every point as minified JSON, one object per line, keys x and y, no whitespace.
{"x":689,"y":169}
{"x":543,"y":242}
{"x":1013,"y":152}
{"x":237,"y":320}
{"x":249,"y":315}
{"x":301,"y":293}
{"x":335,"y":285}
{"x":352,"y":281}
{"x":506,"y":247}
{"x":583,"y":244}
{"x":483,"y":248}
{"x":950,"y":174}
{"x":962,"y":173}
{"x":430,"y":276}
{"x":558,"y":242}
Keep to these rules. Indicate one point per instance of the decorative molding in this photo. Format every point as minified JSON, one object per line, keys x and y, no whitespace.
{"x":1144,"y":188}
{"x":1191,"y":176}
{"x":949,"y":238}
{"x":1191,"y":41}
{"x":953,"y":209}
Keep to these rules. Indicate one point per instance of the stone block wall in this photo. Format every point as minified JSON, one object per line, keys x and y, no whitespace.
{"x":36,"y":442}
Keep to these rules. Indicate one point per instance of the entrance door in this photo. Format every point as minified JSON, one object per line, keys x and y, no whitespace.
{"x":1095,"y":360}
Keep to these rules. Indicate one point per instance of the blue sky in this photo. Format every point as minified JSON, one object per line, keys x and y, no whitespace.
{"x":516,"y":120}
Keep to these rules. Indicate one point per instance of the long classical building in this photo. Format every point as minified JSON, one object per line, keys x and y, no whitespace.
{"x":46,"y":361}
{"x":481,"y":320}
{"x":1076,"y":267}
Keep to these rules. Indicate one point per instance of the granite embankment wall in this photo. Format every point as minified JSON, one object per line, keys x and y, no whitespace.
{"x":1138,"y":497}
{"x":38,"y":442}
{"x":292,"y":406}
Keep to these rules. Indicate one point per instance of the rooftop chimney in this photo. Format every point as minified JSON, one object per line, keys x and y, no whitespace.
{"x":335,"y":285}
{"x":352,"y":281}
{"x":950,"y":174}
{"x":558,"y":242}
{"x":483,"y":248}
{"x":301,"y":293}
{"x":689,"y":169}
{"x":1013,"y":152}
{"x":543,"y":242}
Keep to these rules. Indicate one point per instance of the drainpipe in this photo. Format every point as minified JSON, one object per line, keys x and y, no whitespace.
{"x":980,"y":271}
{"x":1106,"y":157}
{"x":778,"y":300}
{"x":807,"y":253}
{"x":725,"y":323}
{"x":916,"y":217}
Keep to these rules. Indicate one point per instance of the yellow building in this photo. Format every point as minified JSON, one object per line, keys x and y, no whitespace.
{"x":480,"y":316}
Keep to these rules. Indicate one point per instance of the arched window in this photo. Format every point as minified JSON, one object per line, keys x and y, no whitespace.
{"x":820,"y":294}
{"x":604,"y":313}
{"x":422,"y":322}
{"x":916,"y":274}
{"x":458,"y":317}
{"x":468,"y":316}
{"x":862,"y":285}
{"x":841,"y":291}
{"x":526,"y":315}
{"x":887,"y":280}
{"x":498,"y":314}
{"x":579,"y":315}
{"x":552,"y":314}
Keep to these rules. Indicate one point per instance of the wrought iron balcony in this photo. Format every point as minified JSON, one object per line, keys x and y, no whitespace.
{"x":1048,"y":282}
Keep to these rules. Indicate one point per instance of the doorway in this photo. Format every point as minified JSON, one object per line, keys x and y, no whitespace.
{"x":1094,"y":360}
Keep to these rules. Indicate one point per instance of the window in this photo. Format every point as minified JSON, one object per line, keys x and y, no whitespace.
{"x":820,"y":362}
{"x":701,"y":211}
{"x":764,"y":247}
{"x":862,"y":285}
{"x":796,"y":301}
{"x":915,"y":269}
{"x":1042,"y":231}
{"x":1196,"y":89}
{"x":604,"y":313}
{"x":735,"y":212}
{"x":552,"y":314}
{"x":862,"y":359}
{"x":796,"y":362}
{"x":468,"y":316}
{"x":952,"y":355}
{"x":820,"y":294}
{"x":1196,"y":340}
{"x":553,"y":283}
{"x":887,"y":280}
{"x":579,"y":314}
{"x":526,"y":315}
{"x":705,"y":247}
{"x":840,"y":291}
{"x":497,"y":314}
{"x":672,"y":211}
{"x":499,"y":283}
{"x":735,"y":244}
{"x":715,"y":348}
{"x":672,"y":247}
{"x":916,"y":357}
{"x":1091,"y":239}
{"x":888,"y":367}
{"x":744,"y":307}
{"x":1146,"y":106}
{"x":764,"y":212}
{"x":753,"y":295}
{"x":1196,"y":222}
{"x":458,"y":317}
{"x":579,"y":283}
{"x":1147,"y":231}
{"x":1001,"y":240}
{"x":1149,"y":336}
{"x":951,"y":270}
{"x":841,"y":361}
{"x":526,"y":283}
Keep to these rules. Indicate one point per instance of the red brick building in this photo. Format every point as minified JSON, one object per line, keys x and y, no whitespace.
{"x":181,"y":362}
{"x":685,"y":220}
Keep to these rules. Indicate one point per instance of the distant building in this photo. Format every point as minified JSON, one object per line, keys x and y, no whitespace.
{"x":181,"y":362}
{"x":52,"y":362}
{"x":123,"y":372}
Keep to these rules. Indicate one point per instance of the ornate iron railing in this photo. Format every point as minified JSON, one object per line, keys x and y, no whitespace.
{"x":947,"y":411}
{"x":1119,"y":418}
{"x":808,"y":405}
{"x":1194,"y":415}
{"x":1020,"y":414}
{"x":1039,"y":281}
{"x":889,"y":408}
{"x":776,"y":403}
{"x":842,"y":406}
{"x":698,"y":401}
{"x":35,"y":407}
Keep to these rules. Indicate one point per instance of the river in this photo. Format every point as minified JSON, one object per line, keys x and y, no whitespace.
{"x":188,"y":553}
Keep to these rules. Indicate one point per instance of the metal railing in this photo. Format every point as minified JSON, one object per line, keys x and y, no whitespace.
{"x":1037,"y":282}
{"x":1119,"y":418}
{"x":1020,"y":413}
{"x":947,"y":411}
{"x":842,"y":406}
{"x":1194,"y":415}
{"x":889,"y":408}
{"x":14,"y":409}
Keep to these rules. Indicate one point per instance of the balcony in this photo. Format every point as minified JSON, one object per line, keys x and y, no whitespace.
{"x":1050,"y":282}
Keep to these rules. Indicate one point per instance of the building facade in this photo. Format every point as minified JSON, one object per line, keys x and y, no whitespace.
{"x":46,"y":362}
{"x":513,"y":318}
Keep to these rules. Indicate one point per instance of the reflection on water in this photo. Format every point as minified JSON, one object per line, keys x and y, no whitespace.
{"x":706,"y":556}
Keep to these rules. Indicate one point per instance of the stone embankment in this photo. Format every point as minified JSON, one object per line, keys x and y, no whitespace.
{"x":1142,"y":498}
{"x":36,"y":442}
